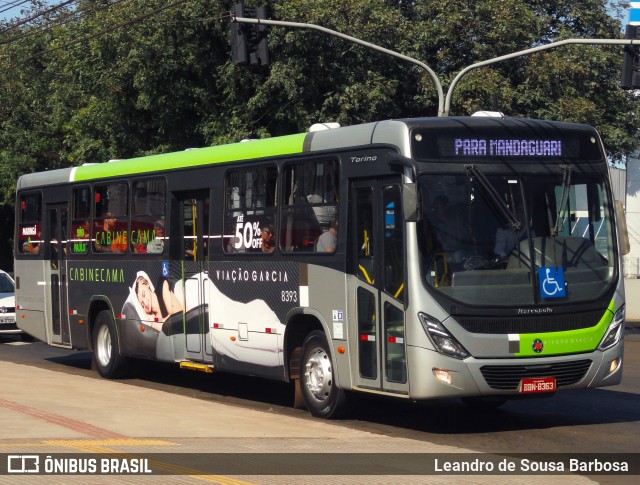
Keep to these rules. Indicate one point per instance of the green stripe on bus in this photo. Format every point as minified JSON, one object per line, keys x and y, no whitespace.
{"x":268,"y":147}
{"x":570,"y":342}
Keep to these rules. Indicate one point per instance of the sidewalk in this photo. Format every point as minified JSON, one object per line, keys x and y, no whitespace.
{"x":43,"y":411}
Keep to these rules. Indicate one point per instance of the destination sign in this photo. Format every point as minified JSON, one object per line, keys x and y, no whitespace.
{"x":506,"y":147}
{"x":469,"y":140}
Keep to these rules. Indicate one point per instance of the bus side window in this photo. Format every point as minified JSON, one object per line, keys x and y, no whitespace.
{"x":393,"y":243}
{"x":190,"y":229}
{"x":111,"y":223}
{"x":80,"y":225}
{"x":30,"y":225}
{"x":364,"y":235}
{"x":309,"y":204}
{"x":250,"y":209}
{"x":148,"y":216}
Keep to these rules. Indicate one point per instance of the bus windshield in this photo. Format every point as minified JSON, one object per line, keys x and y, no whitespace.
{"x":492,"y":237}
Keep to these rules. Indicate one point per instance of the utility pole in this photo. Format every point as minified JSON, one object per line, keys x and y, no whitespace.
{"x":444,"y":103}
{"x":526,"y":52}
{"x":631,"y":61}
{"x":297,"y":25}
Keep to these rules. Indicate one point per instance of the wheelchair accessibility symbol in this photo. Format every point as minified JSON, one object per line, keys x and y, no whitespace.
{"x":551,"y":282}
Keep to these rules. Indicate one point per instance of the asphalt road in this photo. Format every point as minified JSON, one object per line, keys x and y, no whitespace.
{"x":578,"y":421}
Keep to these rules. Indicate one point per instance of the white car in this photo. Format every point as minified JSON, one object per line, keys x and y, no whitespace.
{"x":7,"y":305}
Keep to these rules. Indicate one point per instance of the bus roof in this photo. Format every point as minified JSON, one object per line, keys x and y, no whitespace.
{"x":351,"y":136}
{"x":251,"y":149}
{"x":390,"y":132}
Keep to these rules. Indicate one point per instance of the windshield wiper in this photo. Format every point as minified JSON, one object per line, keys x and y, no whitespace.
{"x":564,"y":199}
{"x":494,"y":196}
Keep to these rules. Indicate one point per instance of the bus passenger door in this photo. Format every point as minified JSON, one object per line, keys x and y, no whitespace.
{"x":378,"y":330}
{"x":56,"y":239}
{"x":193,"y":223}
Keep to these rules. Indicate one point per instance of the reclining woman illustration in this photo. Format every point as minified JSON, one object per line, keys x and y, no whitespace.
{"x":160,"y":306}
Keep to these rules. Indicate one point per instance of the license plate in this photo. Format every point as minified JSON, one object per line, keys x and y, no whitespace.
{"x":7,"y":320}
{"x":538,"y":384}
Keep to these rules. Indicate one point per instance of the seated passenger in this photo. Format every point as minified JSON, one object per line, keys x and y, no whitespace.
{"x":31,"y":247}
{"x":449,"y":234}
{"x":268,"y":238}
{"x":507,"y":237}
{"x":108,"y":238}
{"x":156,"y":245}
{"x":328,"y":240}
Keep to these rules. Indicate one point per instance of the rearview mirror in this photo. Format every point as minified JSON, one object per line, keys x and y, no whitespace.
{"x":625,"y":245}
{"x":410,"y":202}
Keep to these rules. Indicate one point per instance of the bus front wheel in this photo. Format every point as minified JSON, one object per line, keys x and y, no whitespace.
{"x":322,"y":396}
{"x":106,"y":351}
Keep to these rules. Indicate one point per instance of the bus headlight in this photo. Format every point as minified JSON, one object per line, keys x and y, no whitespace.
{"x":613,"y":335}
{"x":441,"y":339}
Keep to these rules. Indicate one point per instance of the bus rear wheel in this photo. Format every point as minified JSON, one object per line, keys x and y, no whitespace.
{"x":322,"y":396}
{"x":106,"y":351}
{"x":25,"y":337}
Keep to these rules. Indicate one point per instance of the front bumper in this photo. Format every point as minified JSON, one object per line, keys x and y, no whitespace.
{"x":501,"y":377}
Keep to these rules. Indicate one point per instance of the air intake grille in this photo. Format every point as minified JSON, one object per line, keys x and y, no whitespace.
{"x":508,"y":377}
{"x":530,"y":324}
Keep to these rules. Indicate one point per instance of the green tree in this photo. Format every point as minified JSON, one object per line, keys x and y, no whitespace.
{"x":103,"y":79}
{"x":574,"y":83}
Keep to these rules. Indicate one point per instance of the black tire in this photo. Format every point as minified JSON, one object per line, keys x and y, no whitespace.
{"x":25,"y":337}
{"x":322,"y":396}
{"x":106,"y":351}
{"x":484,"y":403}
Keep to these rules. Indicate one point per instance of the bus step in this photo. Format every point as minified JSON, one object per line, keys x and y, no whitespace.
{"x":195,"y":366}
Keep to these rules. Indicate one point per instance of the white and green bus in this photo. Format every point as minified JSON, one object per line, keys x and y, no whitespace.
{"x":470,"y":257}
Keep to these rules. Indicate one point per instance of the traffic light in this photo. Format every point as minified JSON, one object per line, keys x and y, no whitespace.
{"x":249,"y":41}
{"x":631,"y":61}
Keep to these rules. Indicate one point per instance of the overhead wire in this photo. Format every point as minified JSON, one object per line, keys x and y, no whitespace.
{"x":6,"y":6}
{"x":71,"y":15}
{"x":59,"y":21}
{"x":100,"y":33}
{"x":36,"y":14}
{"x":62,"y":19}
